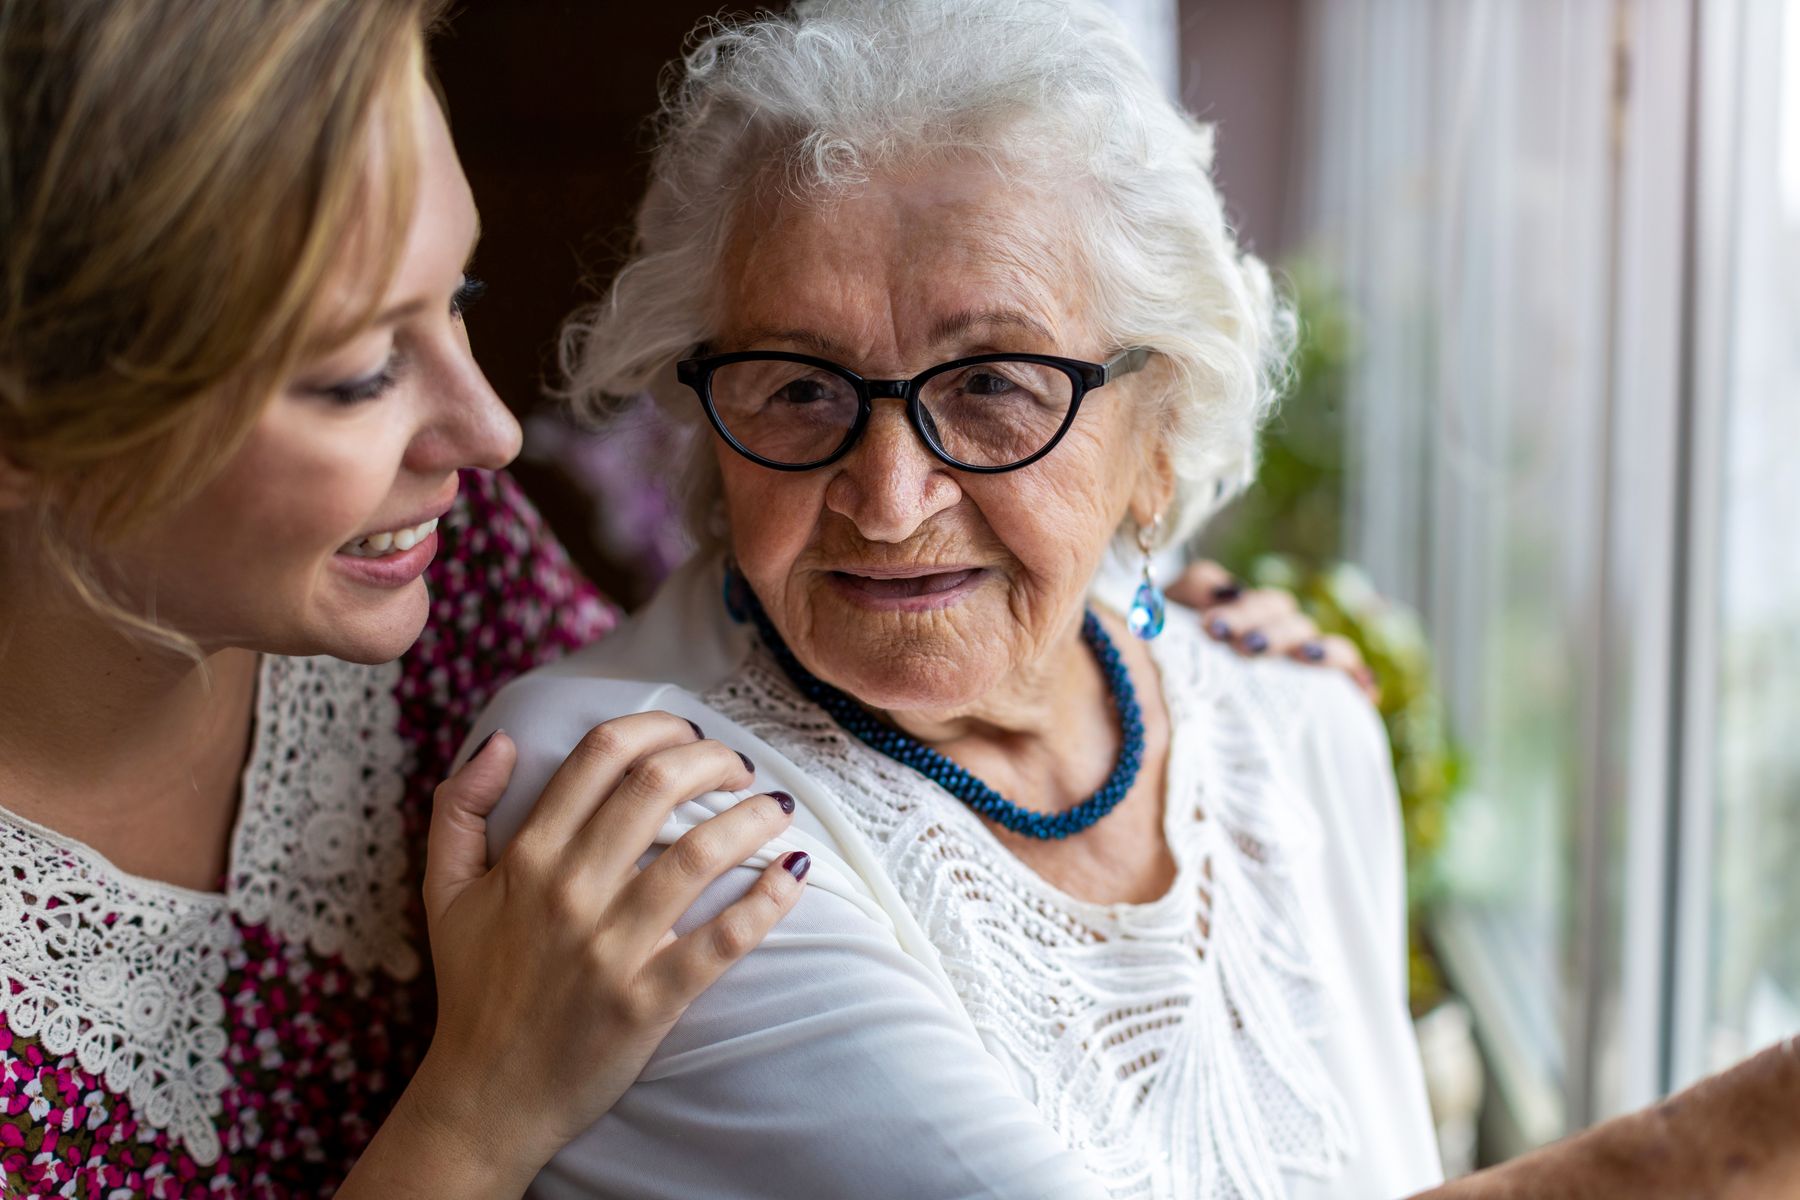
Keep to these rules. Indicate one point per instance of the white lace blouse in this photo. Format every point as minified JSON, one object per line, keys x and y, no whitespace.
{"x":935,"y":1020}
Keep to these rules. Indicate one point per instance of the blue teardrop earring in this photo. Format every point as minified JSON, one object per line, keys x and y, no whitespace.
{"x":1148,"y":608}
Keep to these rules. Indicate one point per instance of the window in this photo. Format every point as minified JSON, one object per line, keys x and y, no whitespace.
{"x":1571,"y":233}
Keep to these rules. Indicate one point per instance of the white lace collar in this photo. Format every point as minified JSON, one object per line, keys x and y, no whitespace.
{"x":1173,"y":1042}
{"x":124,"y":972}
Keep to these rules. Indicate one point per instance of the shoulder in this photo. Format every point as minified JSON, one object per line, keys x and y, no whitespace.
{"x":1301,"y":710}
{"x":659,"y":658}
{"x":504,"y":599}
{"x":1316,"y":730}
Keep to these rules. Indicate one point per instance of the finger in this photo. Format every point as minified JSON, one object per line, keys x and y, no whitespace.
{"x":1203,"y":584}
{"x":1282,"y":636}
{"x":689,"y":965}
{"x":605,"y":851}
{"x":593,"y":770}
{"x":1226,"y":622}
{"x":648,"y":907}
{"x":456,"y":846}
{"x":1340,"y":653}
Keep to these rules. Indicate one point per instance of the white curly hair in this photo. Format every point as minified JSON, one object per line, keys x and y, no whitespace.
{"x":825,"y":97}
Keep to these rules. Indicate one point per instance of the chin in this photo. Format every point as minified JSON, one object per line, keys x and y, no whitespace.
{"x":903,"y":682}
{"x":372,"y":634}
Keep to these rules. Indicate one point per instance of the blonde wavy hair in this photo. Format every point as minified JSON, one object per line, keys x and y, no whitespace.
{"x":177,"y":184}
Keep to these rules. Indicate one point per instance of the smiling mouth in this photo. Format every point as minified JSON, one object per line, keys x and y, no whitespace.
{"x":396,"y":541}
{"x":886,"y":586}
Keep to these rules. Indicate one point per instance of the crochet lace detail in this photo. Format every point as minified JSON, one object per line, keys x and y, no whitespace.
{"x":125,"y":973}
{"x":320,"y":851}
{"x":1174,"y":1041}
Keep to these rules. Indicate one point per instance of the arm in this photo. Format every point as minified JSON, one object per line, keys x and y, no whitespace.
{"x":823,"y":1064}
{"x":557,"y":971}
{"x":830,"y":1061}
{"x":1734,"y":1136}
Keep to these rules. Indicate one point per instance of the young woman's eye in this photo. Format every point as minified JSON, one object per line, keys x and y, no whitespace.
{"x":472,"y":289}
{"x":369,"y":387}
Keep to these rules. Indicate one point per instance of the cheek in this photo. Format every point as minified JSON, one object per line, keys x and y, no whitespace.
{"x":299,"y":494}
{"x":251,"y":552}
{"x":1056,"y":516}
{"x":771,"y":515}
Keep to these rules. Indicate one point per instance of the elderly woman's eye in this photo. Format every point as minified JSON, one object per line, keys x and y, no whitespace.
{"x":803,"y":391}
{"x":987,"y":383}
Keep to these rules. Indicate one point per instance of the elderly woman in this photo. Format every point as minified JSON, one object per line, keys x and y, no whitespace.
{"x":1095,"y":907}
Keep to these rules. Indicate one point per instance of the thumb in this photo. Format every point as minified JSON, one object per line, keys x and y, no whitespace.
{"x":456,"y":849}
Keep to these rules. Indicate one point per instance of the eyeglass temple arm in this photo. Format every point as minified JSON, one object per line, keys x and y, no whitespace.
{"x":1124,"y":363}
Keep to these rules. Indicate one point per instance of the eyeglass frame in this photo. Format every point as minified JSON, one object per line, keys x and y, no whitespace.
{"x":697,"y":373}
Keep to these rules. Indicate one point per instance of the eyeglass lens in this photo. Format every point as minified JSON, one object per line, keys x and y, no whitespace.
{"x":990,"y":414}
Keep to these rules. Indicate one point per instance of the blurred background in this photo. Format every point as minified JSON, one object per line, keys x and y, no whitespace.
{"x":1538,"y":461}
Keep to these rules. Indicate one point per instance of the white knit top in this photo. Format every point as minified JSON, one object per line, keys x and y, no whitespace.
{"x":936,"y":1020}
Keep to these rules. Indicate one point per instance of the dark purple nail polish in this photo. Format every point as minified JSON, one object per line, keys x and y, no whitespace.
{"x":797,"y":863}
{"x":698,"y":732}
{"x":1313,"y":651}
{"x":748,"y":765}
{"x":1225,"y":593}
{"x":1255,"y":642}
{"x":786,"y":801}
{"x":483,"y":746}
{"x":1220,"y":628}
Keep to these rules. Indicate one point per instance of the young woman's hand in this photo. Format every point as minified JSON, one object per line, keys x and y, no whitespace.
{"x":558,"y":972}
{"x":1265,"y":621}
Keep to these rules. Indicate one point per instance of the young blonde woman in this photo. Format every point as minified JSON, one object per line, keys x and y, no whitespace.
{"x":243,"y":446}
{"x":256,"y":573}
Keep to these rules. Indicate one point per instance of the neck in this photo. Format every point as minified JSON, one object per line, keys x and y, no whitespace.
{"x":131,"y":748}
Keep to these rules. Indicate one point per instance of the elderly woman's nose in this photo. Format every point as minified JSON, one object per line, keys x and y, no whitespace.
{"x":891,"y":483}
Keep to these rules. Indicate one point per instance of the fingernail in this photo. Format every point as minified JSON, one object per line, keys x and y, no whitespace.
{"x":797,"y":863}
{"x":786,"y":801}
{"x":1255,"y":642}
{"x":1313,"y":651}
{"x":483,"y":746}
{"x":748,"y":765}
{"x":698,"y":732}
{"x":1220,"y":628}
{"x":1225,"y":593}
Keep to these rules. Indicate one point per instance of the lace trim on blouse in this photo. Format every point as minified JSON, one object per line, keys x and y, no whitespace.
{"x":1174,"y":1041}
{"x":125,"y":972}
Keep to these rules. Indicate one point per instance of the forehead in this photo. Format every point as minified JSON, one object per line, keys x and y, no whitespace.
{"x":899,"y":255}
{"x":387,"y":259}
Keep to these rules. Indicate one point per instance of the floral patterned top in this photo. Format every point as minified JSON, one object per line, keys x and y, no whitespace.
{"x":162,"y":1042}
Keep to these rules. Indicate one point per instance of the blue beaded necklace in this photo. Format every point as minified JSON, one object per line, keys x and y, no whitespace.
{"x":910,"y":752}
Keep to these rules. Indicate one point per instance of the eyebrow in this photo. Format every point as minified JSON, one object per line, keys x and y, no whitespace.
{"x":960,"y":323}
{"x":818,"y":343}
{"x":954,"y":325}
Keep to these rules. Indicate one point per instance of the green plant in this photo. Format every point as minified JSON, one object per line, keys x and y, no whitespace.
{"x":1286,"y":531}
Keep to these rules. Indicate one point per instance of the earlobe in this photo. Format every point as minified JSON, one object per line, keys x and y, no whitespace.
{"x":1156,"y":487}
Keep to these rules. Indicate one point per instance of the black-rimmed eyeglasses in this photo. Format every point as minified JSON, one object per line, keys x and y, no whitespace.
{"x":987,"y":413}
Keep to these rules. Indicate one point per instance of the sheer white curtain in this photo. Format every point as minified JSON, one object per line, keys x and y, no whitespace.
{"x":1456,"y":168}
{"x":1570,"y":231}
